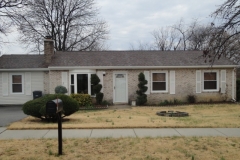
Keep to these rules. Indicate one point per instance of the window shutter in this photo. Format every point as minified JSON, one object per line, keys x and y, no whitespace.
{"x":5,"y":84}
{"x":28,"y":83}
{"x":172,"y":82}
{"x":64,"y":79}
{"x":100,"y":76}
{"x":198,"y":81}
{"x":223,"y":81}
{"x":146,"y":74}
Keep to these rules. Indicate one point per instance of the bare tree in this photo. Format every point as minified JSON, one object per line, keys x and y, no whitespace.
{"x":73,"y":24}
{"x":5,"y":22}
{"x":4,"y":6}
{"x":200,"y":37}
{"x":165,"y":39}
{"x":225,"y":39}
{"x":141,"y":46}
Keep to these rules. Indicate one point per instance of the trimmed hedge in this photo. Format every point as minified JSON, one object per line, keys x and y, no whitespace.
{"x":37,"y":107}
{"x":82,"y":99}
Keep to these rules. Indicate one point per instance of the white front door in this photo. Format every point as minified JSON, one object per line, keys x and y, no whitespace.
{"x":120,"y":87}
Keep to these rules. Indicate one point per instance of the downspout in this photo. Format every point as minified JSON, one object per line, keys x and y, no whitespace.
{"x":233,"y":84}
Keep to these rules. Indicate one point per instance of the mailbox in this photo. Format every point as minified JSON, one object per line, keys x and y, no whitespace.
{"x":54,"y":106}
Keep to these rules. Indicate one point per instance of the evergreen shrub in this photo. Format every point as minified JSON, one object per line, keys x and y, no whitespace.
{"x":82,"y":99}
{"x":37,"y":107}
{"x":97,"y":88}
{"x":141,"y":96}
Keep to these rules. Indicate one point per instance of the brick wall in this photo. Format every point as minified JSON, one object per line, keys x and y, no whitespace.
{"x":185,"y":84}
{"x":55,"y":79}
{"x":46,"y":82}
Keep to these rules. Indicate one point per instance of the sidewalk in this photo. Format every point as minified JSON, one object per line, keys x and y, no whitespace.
{"x":117,"y":133}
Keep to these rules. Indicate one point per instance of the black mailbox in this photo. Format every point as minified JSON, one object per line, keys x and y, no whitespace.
{"x":54,"y":106}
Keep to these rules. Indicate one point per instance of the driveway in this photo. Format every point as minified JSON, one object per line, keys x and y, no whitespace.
{"x":9,"y":114}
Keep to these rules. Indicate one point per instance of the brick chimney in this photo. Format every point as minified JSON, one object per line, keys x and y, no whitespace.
{"x":48,"y":49}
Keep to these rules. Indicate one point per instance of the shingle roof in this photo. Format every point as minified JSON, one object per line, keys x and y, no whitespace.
{"x":110,"y":58}
{"x":21,"y":61}
{"x":133,"y":58}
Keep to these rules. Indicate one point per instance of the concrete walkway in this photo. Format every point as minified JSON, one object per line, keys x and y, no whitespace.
{"x":116,"y":133}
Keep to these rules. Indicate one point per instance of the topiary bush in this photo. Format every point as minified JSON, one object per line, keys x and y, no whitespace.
{"x":97,"y":88}
{"x":142,"y":97}
{"x":60,"y":90}
{"x":37,"y":107}
{"x":82,"y":99}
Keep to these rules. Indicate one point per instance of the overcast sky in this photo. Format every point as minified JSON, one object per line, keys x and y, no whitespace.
{"x":132,"y":21}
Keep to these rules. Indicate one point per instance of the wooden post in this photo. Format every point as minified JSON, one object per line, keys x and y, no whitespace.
{"x":60,"y":133}
{"x":59,"y":114}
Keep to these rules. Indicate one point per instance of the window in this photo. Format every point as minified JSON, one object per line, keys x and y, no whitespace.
{"x":159,"y":82}
{"x":210,"y":81}
{"x":80,"y":83}
{"x":17,"y":83}
{"x":72,"y":84}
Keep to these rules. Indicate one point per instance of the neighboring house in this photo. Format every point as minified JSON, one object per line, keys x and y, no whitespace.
{"x":170,"y":74}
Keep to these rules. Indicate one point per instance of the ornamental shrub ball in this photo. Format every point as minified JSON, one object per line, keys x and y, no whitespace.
{"x":97,"y":88}
{"x":60,"y":90}
{"x":142,"y":97}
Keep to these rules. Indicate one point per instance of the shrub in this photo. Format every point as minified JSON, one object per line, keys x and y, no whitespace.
{"x":37,"y":107}
{"x":82,"y":99}
{"x":97,"y":88}
{"x":60,"y":90}
{"x":142,"y":97}
{"x":105,"y":103}
{"x":191,"y":98}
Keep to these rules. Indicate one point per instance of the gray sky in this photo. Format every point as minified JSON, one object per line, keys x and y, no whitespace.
{"x":131,"y":21}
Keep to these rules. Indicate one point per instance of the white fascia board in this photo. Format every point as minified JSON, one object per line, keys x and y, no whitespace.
{"x":25,"y":69}
{"x":138,"y":67}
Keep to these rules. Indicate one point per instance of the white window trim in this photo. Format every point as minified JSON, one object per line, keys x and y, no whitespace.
{"x":11,"y":82}
{"x":75,"y":73}
{"x":217,"y":76}
{"x":165,"y":91}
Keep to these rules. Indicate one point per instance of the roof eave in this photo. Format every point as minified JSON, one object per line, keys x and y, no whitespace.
{"x":25,"y":69}
{"x":137,"y":67}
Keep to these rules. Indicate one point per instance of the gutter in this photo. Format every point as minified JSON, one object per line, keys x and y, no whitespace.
{"x":139,"y":67}
{"x":25,"y":69}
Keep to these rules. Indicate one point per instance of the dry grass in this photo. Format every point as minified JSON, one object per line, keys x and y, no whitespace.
{"x":218,"y":115}
{"x":170,"y":148}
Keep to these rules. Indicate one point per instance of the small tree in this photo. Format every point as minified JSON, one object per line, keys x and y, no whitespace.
{"x":60,"y":90}
{"x":97,"y":88}
{"x":142,"y":97}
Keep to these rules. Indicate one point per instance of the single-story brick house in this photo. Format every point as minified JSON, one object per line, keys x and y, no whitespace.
{"x":170,"y":74}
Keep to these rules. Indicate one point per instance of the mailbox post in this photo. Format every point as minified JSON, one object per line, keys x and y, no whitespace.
{"x":55,"y":107}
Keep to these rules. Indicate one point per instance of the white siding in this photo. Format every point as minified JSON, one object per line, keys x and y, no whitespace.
{"x":28,"y":81}
{"x":4,"y":83}
{"x":36,"y":84}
